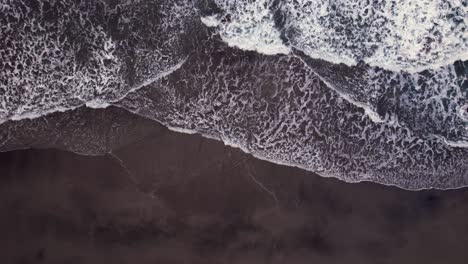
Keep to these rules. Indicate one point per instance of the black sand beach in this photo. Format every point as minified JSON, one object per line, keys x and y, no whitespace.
{"x":167,"y":197}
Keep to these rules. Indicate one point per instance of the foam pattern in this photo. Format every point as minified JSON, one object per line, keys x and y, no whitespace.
{"x":400,"y":61}
{"x":58,"y":55}
{"x":278,"y":109}
{"x":403,"y":35}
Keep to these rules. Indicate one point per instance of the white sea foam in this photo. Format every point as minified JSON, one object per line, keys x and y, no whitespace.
{"x":37,"y":114}
{"x":154,"y":78}
{"x":396,"y":35}
{"x":251,"y":27}
{"x":463,"y":113}
{"x":210,"y":21}
{"x":368,"y":110}
{"x":94,"y":103}
{"x":50,"y":66}
{"x":401,"y":36}
{"x":456,"y":144}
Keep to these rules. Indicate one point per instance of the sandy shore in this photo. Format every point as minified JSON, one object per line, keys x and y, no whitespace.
{"x":166,"y":197}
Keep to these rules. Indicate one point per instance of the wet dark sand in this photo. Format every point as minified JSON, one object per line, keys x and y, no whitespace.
{"x":166,"y":197}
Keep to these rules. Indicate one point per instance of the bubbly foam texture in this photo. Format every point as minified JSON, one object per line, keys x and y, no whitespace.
{"x":59,"y":55}
{"x":39,"y":68}
{"x":396,"y":35}
{"x":250,"y":26}
{"x":413,"y":43}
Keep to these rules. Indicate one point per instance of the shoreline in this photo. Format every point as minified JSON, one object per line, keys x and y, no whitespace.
{"x":171,"y":197}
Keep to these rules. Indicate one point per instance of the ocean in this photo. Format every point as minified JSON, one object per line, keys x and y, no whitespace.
{"x":358,"y":90}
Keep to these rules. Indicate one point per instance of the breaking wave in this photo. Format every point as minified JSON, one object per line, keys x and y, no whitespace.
{"x":403,"y":35}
